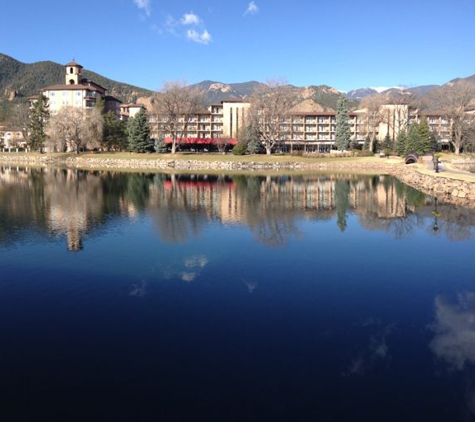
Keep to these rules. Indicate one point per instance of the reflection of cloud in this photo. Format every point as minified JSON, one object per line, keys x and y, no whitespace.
{"x":251,"y":285}
{"x":185,"y":269}
{"x":454,"y":329}
{"x":375,"y":352}
{"x":139,"y":290}
{"x":196,"y":261}
{"x":188,"y":277}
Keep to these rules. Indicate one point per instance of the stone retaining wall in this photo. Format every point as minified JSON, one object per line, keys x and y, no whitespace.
{"x":183,"y":164}
{"x":446,"y":189}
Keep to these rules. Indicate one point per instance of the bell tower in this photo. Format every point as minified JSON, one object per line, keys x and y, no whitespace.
{"x":73,"y":73}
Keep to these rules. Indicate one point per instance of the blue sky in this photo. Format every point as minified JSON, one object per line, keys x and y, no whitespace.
{"x":346,"y":44}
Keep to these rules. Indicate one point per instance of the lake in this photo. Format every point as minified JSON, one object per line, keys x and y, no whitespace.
{"x":182,"y":297}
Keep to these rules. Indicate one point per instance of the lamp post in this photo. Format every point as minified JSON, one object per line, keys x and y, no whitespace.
{"x":435,"y":160}
{"x":435,"y":213}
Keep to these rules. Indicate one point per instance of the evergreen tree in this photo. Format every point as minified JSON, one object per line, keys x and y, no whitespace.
{"x":114,"y":133}
{"x":367,"y":143}
{"x":138,"y":132}
{"x":387,"y":142}
{"x":161,"y":146}
{"x":434,"y":142}
{"x":424,"y":138}
{"x":342,"y":132}
{"x":254,"y":143}
{"x":412,"y":141}
{"x":38,"y":117}
{"x":401,"y":143}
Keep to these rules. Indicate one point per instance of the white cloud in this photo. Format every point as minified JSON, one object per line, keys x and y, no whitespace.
{"x":170,"y":25}
{"x":252,"y":9}
{"x":203,"y":38}
{"x":190,"y":19}
{"x":144,"y":5}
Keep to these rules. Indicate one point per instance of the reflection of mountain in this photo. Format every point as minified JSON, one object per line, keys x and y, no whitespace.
{"x":74,"y":202}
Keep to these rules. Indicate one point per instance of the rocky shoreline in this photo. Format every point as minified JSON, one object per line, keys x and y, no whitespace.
{"x":447,"y":189}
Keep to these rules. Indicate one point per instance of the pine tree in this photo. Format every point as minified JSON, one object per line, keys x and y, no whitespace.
{"x":425,"y":141}
{"x":161,"y":146}
{"x":367,"y":143}
{"x":412,"y":142}
{"x":401,"y":143}
{"x":38,"y":117}
{"x":254,"y":143}
{"x":342,"y":132}
{"x":114,"y":136}
{"x":387,"y":142}
{"x":139,"y":133}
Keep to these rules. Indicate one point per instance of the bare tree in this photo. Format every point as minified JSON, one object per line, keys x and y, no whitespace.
{"x":374,"y":117}
{"x":174,"y":108}
{"x":76,"y":128}
{"x":455,"y":100}
{"x":221,"y":143}
{"x":270,"y":106}
{"x":20,"y":118}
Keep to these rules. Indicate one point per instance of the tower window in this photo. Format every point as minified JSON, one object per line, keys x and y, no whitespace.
{"x":71,"y":82}
{"x":71,"y":70}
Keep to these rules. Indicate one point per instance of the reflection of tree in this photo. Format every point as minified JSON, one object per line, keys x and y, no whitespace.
{"x":138,"y":190}
{"x":342,"y":202}
{"x":74,"y":202}
{"x":270,"y":209}
{"x":179,"y":210}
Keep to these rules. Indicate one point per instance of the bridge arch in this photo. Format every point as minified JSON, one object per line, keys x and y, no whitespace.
{"x":411,"y":158}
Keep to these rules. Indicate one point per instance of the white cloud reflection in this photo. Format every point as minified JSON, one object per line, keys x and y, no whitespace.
{"x":454,"y":328}
{"x":375,"y":352}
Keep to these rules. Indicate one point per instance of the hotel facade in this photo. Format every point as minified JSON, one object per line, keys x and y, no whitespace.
{"x":309,"y":131}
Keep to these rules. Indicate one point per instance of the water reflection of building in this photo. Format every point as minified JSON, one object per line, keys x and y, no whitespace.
{"x":74,"y":202}
{"x":253,"y":201}
{"x":230,"y":200}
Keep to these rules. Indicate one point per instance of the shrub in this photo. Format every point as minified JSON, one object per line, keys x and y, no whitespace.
{"x":240,"y":149}
{"x":364,"y":153}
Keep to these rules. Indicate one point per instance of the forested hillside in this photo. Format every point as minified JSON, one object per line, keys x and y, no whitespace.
{"x":19,"y":80}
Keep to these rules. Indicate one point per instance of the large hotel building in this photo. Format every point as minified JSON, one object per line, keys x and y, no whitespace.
{"x":305,"y":128}
{"x":310,"y":131}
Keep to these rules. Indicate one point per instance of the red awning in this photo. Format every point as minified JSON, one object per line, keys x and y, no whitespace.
{"x":203,"y":141}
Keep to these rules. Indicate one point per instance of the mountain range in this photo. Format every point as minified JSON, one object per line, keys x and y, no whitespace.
{"x":20,"y":80}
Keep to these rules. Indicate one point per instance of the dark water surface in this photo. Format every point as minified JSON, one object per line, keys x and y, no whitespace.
{"x":301,"y":298}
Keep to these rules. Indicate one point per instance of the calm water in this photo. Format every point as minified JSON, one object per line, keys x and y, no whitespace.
{"x":300,"y":298}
